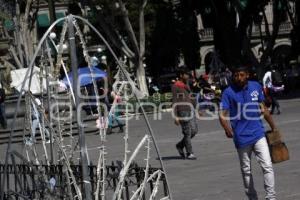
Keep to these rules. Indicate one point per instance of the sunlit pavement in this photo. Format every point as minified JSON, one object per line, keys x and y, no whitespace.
{"x":215,"y":175}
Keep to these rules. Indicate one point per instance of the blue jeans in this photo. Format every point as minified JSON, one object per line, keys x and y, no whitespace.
{"x":262,"y":154}
{"x":34,"y":125}
{"x":113,"y":118}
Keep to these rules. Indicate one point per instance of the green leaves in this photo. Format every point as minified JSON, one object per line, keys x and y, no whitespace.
{"x":243,"y":3}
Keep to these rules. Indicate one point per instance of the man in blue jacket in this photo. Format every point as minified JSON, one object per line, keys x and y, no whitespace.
{"x":242,"y":105}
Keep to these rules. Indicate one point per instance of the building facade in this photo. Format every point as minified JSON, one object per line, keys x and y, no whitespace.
{"x":281,"y":48}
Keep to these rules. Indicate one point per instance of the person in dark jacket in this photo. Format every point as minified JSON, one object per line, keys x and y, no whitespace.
{"x":184,"y":109}
{"x":3,"y":120}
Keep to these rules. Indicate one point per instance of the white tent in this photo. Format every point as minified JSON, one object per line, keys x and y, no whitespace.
{"x":18,"y":77}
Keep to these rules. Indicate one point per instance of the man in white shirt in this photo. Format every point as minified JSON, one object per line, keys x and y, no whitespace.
{"x":269,"y":91}
{"x":267,"y":80}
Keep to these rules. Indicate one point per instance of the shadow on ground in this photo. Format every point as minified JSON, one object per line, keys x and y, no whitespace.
{"x":171,"y":158}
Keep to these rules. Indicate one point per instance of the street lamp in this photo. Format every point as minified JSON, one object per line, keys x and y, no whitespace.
{"x":52,"y":38}
{"x":52,"y":35}
{"x":99,"y":49}
{"x":64,"y":46}
{"x":104,"y":59}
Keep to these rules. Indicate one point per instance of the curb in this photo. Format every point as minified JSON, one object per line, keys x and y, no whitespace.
{"x":162,"y":111}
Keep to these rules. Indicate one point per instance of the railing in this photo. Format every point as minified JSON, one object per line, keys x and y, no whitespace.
{"x":207,"y":34}
{"x":28,"y":182}
{"x":285,"y":27}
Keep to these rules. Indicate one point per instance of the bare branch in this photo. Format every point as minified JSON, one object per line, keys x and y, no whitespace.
{"x":128,"y":28}
{"x":112,"y":34}
{"x":14,"y":54}
{"x":271,"y":41}
{"x":142,"y":28}
{"x":27,"y":9}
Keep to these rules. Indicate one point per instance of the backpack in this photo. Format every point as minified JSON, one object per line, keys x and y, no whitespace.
{"x":224,"y":82}
{"x":276,"y":78}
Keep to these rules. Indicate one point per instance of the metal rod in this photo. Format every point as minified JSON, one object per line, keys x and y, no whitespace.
{"x":8,"y":150}
{"x":49,"y":102}
{"x":139,"y":103}
{"x":83,"y":155}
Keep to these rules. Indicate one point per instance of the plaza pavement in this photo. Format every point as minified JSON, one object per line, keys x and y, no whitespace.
{"x":215,"y":175}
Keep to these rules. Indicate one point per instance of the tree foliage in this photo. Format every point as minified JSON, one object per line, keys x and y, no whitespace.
{"x":123,"y":23}
{"x":232,"y":25}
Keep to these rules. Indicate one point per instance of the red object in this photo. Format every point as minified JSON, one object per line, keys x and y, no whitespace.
{"x":205,"y":77}
{"x":181,"y":84}
{"x":268,"y":98}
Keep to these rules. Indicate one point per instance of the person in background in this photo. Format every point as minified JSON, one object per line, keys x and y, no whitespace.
{"x":36,"y":120}
{"x":3,"y":120}
{"x":270,"y":83}
{"x":112,"y":100}
{"x":184,"y":110}
{"x":225,"y":78}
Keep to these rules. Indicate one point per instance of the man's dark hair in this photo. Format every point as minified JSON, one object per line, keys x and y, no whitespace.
{"x":241,"y":68}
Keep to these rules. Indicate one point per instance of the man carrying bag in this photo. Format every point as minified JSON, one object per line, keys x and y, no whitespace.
{"x":278,"y":150}
{"x":242,"y":106}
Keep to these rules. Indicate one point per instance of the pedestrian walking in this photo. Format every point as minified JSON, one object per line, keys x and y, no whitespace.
{"x":115,"y":113}
{"x":242,"y":105}
{"x":36,"y":122}
{"x":3,"y":120}
{"x":184,"y":110}
{"x":272,"y":83}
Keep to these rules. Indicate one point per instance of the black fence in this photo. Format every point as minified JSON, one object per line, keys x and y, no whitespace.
{"x":34,"y":181}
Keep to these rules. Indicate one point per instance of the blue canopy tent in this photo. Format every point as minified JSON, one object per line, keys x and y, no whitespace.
{"x":85,"y":79}
{"x":85,"y":76}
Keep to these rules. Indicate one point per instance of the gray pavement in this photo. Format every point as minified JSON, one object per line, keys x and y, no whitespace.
{"x":215,"y":175}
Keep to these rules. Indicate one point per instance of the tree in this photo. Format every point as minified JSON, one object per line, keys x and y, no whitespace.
{"x":232,"y":37}
{"x":295,"y":35}
{"x":22,"y":34}
{"x":164,"y":45}
{"x":189,"y":34}
{"x":125,"y":29}
{"x":175,"y":37}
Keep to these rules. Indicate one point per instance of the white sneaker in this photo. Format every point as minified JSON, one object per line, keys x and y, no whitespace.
{"x":191,"y":157}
